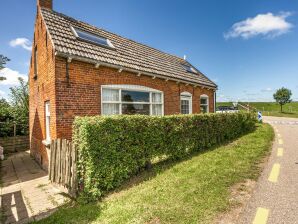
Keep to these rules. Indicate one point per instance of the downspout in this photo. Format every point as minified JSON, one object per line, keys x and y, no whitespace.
{"x":67,"y":72}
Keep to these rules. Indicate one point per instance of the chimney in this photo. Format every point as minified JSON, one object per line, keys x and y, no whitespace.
{"x":45,"y":4}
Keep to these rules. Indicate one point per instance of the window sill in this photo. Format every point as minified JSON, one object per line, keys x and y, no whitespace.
{"x":47,"y":143}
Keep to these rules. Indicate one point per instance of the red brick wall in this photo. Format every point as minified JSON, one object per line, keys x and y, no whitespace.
{"x":45,"y":3}
{"x":80,"y":95}
{"x":41,"y":90}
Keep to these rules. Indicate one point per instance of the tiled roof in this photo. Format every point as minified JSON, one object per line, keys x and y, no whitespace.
{"x":127,"y":53}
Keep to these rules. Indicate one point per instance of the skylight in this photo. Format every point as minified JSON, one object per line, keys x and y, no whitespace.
{"x":189,"y":68}
{"x":93,"y":38}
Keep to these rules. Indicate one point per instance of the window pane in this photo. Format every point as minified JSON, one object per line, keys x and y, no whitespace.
{"x":203,"y":101}
{"x":136,"y":109}
{"x":189,"y":68}
{"x":92,"y":37}
{"x":134,"y":96}
{"x":156,"y":109}
{"x":185,"y":106}
{"x":110,"y":95}
{"x":156,"y":97}
{"x":110,"y":108}
{"x":204,"y":109}
{"x":48,"y":120}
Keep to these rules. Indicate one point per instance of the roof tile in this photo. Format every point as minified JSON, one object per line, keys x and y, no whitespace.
{"x":127,"y":53}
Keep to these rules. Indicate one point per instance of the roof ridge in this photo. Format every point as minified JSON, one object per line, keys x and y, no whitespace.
{"x":85,"y":23}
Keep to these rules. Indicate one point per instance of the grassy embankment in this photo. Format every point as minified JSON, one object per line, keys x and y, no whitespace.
{"x":270,"y":108}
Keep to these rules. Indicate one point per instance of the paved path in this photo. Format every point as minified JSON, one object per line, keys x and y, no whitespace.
{"x":26,"y":193}
{"x":275,"y":200}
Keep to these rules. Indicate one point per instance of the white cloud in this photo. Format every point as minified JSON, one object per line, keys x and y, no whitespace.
{"x":267,"y":25}
{"x":22,"y":42}
{"x":11,"y":76}
{"x":267,"y":90}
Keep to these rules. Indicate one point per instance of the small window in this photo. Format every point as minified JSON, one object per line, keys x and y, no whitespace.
{"x":35,"y":62}
{"x":186,"y":103}
{"x":93,"y":38}
{"x":48,"y":116}
{"x":189,"y":68}
{"x":204,"y":104}
{"x":131,"y":100}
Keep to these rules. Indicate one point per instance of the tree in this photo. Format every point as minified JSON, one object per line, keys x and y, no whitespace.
{"x":282,"y":96}
{"x":3,"y":61}
{"x":19,"y":97}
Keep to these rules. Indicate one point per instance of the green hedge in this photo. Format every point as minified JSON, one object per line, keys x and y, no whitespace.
{"x":114,"y":148}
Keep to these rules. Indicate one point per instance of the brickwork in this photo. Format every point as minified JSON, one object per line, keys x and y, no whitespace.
{"x":45,"y":3}
{"x":81,"y":96}
{"x":78,"y":91}
{"x":41,"y":89}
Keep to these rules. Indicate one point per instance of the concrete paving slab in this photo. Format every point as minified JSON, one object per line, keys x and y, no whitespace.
{"x":26,"y":193}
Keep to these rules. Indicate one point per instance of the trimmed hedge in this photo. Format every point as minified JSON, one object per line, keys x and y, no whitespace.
{"x":114,"y":148}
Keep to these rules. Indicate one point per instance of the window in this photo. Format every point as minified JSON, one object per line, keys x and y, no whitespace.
{"x":189,"y":68}
{"x":186,"y":103}
{"x":35,"y":62}
{"x":90,"y":37}
{"x":131,"y":99}
{"x":204,"y":104}
{"x":48,"y":116}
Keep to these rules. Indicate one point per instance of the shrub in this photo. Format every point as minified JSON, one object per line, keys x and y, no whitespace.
{"x":114,"y":148}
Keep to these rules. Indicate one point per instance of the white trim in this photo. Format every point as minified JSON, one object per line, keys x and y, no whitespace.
{"x":47,"y":107}
{"x":132,"y":88}
{"x":186,"y":96}
{"x":204,"y":96}
{"x":137,"y":72}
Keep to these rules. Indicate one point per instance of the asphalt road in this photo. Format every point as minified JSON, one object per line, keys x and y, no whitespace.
{"x":275,"y":199}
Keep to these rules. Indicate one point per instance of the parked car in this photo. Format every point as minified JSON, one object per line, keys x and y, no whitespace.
{"x":227,"y":109}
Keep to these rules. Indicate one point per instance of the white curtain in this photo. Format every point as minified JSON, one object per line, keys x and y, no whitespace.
{"x":110,"y":95}
{"x":156,"y":97}
{"x":110,"y":108}
{"x":156,"y":109}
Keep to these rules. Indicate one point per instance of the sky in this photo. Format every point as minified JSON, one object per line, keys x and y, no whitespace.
{"x":248,"y":48}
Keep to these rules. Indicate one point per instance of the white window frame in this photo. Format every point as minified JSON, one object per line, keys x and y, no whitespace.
{"x":204,"y":96}
{"x":132,"y":88}
{"x":48,"y":120}
{"x":186,"y":96}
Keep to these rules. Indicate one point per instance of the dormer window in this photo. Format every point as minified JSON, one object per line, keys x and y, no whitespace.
{"x":91,"y":37}
{"x":189,"y":68}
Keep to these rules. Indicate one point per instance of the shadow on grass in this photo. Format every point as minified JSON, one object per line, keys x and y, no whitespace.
{"x":72,"y":212}
{"x":165,"y":164}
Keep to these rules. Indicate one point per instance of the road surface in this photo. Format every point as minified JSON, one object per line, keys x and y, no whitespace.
{"x":275,"y":199}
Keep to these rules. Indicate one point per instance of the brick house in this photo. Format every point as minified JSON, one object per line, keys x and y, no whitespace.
{"x":78,"y":70}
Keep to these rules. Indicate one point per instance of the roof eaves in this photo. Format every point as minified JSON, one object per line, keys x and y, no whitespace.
{"x":181,"y":80}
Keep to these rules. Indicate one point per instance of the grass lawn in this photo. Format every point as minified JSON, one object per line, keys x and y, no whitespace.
{"x":195,"y":190}
{"x":270,"y":108}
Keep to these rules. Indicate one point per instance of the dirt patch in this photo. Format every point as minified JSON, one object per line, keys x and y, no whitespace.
{"x":240,"y":195}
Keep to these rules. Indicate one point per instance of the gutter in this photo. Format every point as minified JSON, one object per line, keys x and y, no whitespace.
{"x":139,"y":73}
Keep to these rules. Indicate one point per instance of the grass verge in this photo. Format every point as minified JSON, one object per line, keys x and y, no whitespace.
{"x":192,"y":191}
{"x":270,"y":108}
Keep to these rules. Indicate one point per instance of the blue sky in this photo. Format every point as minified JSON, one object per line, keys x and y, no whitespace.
{"x":249,"y":48}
